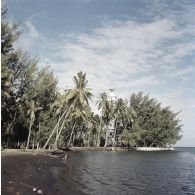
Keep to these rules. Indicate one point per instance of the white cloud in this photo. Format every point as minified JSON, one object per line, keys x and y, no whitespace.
{"x":114,"y":53}
{"x":29,"y":37}
{"x":184,"y":72}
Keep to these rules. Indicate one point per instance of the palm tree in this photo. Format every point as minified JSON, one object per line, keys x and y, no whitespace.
{"x":79,"y":96}
{"x":31,"y":112}
{"x":76,"y":97}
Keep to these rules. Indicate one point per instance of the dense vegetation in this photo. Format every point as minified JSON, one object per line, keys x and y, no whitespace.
{"x":36,"y":115}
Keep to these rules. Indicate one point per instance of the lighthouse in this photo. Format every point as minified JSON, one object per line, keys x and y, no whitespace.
{"x":111,"y":127}
{"x":111,"y":95}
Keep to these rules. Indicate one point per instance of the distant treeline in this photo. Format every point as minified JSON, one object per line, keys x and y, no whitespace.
{"x":34,"y":114}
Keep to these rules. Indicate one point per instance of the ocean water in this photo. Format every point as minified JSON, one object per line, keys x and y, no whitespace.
{"x":147,"y":173}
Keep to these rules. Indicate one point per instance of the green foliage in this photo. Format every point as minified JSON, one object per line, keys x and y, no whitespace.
{"x":9,"y":33}
{"x":161,"y":125}
{"x":21,"y":83}
{"x":15,"y":70}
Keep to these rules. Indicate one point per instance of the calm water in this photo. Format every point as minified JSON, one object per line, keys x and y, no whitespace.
{"x":113,"y":172}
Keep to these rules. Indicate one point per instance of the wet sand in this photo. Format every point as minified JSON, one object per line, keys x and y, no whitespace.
{"x":21,"y":172}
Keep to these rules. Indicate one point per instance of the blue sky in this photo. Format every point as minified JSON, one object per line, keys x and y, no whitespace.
{"x":129,"y":45}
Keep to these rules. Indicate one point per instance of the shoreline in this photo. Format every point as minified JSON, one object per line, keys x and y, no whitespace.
{"x":25,"y":172}
{"x":80,"y":149}
{"x":58,"y":151}
{"x":152,"y":149}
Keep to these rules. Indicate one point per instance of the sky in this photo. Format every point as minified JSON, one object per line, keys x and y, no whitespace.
{"x":128,"y":45}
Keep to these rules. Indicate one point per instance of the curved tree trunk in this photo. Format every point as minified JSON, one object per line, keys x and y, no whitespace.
{"x":65,"y":115}
{"x":48,"y":140}
{"x":69,"y":142}
{"x":59,"y":133}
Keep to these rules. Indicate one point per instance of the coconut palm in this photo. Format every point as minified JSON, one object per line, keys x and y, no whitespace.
{"x":80,"y":94}
{"x":76,"y":97}
{"x":31,"y":112}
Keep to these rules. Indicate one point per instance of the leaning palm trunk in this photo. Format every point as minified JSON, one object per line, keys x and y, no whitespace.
{"x":69,"y":142}
{"x":61,"y":128}
{"x":59,"y":133}
{"x":29,"y":134}
{"x":65,"y":112}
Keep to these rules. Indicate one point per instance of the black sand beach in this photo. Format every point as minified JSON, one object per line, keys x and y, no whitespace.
{"x":21,"y":172}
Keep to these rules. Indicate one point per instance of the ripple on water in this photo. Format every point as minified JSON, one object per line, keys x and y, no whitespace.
{"x":131,"y":172}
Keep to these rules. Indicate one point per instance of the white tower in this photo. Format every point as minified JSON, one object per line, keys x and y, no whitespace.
{"x":111,"y":95}
{"x":111,"y":127}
